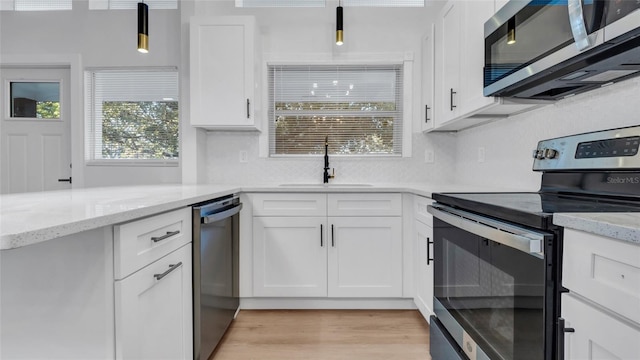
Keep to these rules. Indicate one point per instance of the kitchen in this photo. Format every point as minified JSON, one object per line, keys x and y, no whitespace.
{"x":212,"y":157}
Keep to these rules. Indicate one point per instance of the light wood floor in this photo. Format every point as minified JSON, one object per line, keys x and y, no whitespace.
{"x":326,"y":334}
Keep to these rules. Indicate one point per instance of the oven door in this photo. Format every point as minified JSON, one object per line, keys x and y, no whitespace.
{"x":491,"y":284}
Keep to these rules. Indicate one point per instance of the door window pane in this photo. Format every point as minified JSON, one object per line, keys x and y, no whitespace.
{"x":40,"y":100}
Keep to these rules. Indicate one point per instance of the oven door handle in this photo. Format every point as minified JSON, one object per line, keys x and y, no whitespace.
{"x":504,"y":233}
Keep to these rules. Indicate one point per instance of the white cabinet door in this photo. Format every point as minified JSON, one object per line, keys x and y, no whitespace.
{"x":154,"y":310}
{"x":476,"y":13}
{"x":428,"y":79}
{"x":597,"y":336}
{"x":450,"y":52}
{"x":365,"y":257}
{"x":423,"y":268}
{"x":289,"y":256}
{"x":222,"y":72}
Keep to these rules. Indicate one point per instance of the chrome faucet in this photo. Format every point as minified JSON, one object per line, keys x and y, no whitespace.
{"x":326,"y":176}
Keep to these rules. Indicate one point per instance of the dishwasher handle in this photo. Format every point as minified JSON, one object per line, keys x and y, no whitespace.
{"x":221,"y":215}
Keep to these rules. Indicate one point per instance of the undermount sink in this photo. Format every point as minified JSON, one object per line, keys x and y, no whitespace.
{"x":325,"y":185}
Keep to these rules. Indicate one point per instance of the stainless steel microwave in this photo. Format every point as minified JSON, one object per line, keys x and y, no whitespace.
{"x":551,"y":49}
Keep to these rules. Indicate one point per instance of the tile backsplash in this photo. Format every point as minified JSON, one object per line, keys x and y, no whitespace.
{"x":224,"y":166}
{"x":508,"y":143}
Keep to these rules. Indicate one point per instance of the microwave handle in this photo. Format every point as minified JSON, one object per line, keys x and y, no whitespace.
{"x":494,"y":230}
{"x":578,"y":26}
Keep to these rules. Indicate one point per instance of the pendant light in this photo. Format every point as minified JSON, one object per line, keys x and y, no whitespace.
{"x":143,"y":28}
{"x":339,"y":32}
{"x":511,"y":31}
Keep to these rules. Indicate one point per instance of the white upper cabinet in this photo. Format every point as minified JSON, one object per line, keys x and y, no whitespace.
{"x":428,"y":83}
{"x":460,"y":67}
{"x":223,"y":73}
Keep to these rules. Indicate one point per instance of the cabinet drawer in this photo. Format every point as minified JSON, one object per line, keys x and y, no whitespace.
{"x":141,"y":242}
{"x":597,"y":335}
{"x":153,"y":310}
{"x":420,"y":212}
{"x":279,"y":204}
{"x":364,"y":204}
{"x":604,"y":270}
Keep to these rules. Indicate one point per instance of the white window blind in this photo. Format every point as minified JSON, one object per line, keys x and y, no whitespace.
{"x":280,"y":3}
{"x":359,"y":109}
{"x":132,"y":115}
{"x":132,"y":4}
{"x":383,"y":3}
{"x":37,"y":5}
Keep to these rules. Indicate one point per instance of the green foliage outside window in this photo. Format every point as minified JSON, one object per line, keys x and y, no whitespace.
{"x":48,"y":110}
{"x":140,"y":130}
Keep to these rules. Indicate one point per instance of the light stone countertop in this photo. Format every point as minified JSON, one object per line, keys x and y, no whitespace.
{"x":621,"y":226}
{"x":30,"y":218}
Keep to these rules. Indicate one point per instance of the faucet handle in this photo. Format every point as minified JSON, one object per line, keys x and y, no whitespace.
{"x":333,"y":173}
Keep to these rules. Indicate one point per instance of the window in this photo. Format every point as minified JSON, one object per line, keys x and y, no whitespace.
{"x":132,"y":4}
{"x":35,"y":100}
{"x":35,"y":5}
{"x":280,"y":3}
{"x":383,"y":3}
{"x":133,"y":116}
{"x":359,"y":109}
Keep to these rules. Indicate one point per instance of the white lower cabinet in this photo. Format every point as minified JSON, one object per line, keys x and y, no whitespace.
{"x":365,"y":257}
{"x":154,"y":310}
{"x":336,"y":256}
{"x":601,"y":312}
{"x":290,"y":256}
{"x":423,"y":295}
{"x":597,"y":335}
{"x":423,"y":256}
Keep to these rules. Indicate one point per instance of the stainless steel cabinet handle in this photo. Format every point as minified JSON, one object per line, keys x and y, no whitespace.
{"x":426,"y":113}
{"x":321,"y":236}
{"x":429,"y":258}
{"x":248,"y":104}
{"x":451,"y":99}
{"x":333,"y":240}
{"x":171,"y":268}
{"x":167,"y":235}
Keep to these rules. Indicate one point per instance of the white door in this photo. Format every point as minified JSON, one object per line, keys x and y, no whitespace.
{"x":35,"y":136}
{"x":365,"y":257}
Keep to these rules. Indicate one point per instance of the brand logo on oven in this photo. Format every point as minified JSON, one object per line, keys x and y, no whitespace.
{"x":623,"y":180}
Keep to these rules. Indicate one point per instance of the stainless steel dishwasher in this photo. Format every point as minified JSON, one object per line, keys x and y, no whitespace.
{"x":215,"y":271}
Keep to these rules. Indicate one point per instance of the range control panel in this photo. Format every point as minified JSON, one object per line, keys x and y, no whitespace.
{"x":599,"y":150}
{"x":608,"y":148}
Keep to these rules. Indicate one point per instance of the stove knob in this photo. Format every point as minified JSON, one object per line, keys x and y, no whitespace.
{"x":537,"y":154}
{"x":550,"y":153}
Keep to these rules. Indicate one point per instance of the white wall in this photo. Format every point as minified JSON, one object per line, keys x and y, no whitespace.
{"x":103,"y":38}
{"x":509,"y":143}
{"x":292,"y":33}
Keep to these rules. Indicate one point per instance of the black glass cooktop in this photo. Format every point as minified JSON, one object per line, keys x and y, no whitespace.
{"x":533,"y":209}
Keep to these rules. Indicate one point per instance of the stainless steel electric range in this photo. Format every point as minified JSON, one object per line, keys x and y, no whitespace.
{"x":498,"y":256}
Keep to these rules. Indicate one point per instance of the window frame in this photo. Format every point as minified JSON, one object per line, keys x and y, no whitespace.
{"x":91,"y":125}
{"x":377,"y":59}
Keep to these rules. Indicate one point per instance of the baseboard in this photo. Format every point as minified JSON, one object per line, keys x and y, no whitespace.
{"x":324,"y":303}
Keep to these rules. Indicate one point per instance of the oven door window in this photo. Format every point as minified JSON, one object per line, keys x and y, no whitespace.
{"x":496,"y":293}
